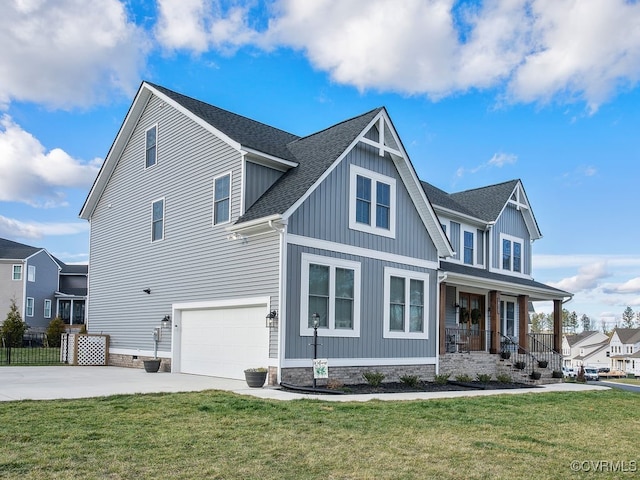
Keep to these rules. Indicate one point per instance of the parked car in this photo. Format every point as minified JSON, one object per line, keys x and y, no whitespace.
{"x":591,"y":374}
{"x":569,"y":372}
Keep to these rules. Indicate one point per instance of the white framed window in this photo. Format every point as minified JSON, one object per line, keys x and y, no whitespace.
{"x":372,"y":202}
{"x":468,"y":247}
{"x":222,"y":199}
{"x":511,"y":253}
{"x":151,"y":146}
{"x":31,"y":273}
{"x":331,"y":289}
{"x":29,"y":307}
{"x":16,"y":272}
{"x":47,"y":308}
{"x":406,"y":304}
{"x":157,"y":220}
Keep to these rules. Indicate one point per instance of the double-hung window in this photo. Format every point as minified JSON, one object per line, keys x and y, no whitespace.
{"x":16,"y":273}
{"x":31,"y":273}
{"x":511,"y":254}
{"x":372,"y":206}
{"x":151,"y":146}
{"x":468,"y":247}
{"x":222,"y":199}
{"x":330,"y":296}
{"x":405,"y":304}
{"x":29,"y":307}
{"x":157,"y":220}
{"x":47,"y":308}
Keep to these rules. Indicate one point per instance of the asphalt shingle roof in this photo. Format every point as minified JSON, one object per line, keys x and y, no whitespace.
{"x":628,"y":335}
{"x":15,"y":250}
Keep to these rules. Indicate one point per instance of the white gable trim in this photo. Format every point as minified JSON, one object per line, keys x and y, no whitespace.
{"x":522,"y":204}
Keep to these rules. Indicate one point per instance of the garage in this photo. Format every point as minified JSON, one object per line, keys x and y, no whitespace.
{"x":221,"y":339}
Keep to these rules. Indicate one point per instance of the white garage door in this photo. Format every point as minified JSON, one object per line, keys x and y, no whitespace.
{"x":223,"y":342}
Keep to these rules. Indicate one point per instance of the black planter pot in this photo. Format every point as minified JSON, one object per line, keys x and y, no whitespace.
{"x":505,"y":355}
{"x":556,"y":374}
{"x":519,"y":365}
{"x":255,"y":379}
{"x":152,"y":366}
{"x":543,"y":363}
{"x":535,"y":375}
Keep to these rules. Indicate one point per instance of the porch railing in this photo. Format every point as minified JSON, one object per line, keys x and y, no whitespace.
{"x":541,"y":346}
{"x":465,"y":340}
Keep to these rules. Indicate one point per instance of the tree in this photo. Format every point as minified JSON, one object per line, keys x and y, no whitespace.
{"x":604,"y":328}
{"x":628,"y":318}
{"x":569,"y":321}
{"x":13,"y":327}
{"x":541,"y":322}
{"x":586,"y":323}
{"x":54,"y":332}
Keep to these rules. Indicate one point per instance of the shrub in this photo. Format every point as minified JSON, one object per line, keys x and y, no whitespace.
{"x":83,"y":329}
{"x":13,"y":327}
{"x":504,"y":378}
{"x":410,"y":380}
{"x":55,"y":331}
{"x":442,"y":379}
{"x":483,"y":377}
{"x":334,"y":384}
{"x":374,"y":378}
{"x":464,"y":378}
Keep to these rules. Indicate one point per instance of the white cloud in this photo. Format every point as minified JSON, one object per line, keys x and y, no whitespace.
{"x":498,"y":160}
{"x":588,"y":277}
{"x":68,"y":53}
{"x":10,"y":228}
{"x":34,"y":176}
{"x":630,"y":286}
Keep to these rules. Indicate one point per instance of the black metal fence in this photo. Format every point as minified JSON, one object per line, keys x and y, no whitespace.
{"x":31,"y":348}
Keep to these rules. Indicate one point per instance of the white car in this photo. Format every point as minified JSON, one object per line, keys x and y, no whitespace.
{"x":569,"y":372}
{"x":591,"y":373}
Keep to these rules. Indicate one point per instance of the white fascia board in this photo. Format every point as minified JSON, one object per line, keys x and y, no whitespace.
{"x":258,"y":225}
{"x":455,"y":215}
{"x":268,"y":160}
{"x":527,"y":213}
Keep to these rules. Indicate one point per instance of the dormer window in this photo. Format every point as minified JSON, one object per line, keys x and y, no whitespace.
{"x":372,"y":206}
{"x":468,"y":248}
{"x":511,"y":253}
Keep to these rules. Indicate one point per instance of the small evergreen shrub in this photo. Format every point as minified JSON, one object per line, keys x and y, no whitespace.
{"x":503,"y":378}
{"x":483,"y":377}
{"x":464,"y":378}
{"x":374,"y":378}
{"x":410,"y":380}
{"x":442,"y":379}
{"x":13,"y":327}
{"x":55,"y":331}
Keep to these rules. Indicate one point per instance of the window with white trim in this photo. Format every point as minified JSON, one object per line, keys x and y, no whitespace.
{"x":511,"y":253}
{"x":29,"y":307}
{"x":16,"y":273}
{"x":405,"y":304}
{"x":151,"y":146}
{"x":372,"y":205}
{"x":47,"y":308}
{"x":330,"y":289}
{"x":222,"y":199}
{"x":31,"y":273}
{"x":157,"y":220}
{"x":468,"y":247}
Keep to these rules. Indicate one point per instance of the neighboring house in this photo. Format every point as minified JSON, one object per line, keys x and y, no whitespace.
{"x":38,"y":283}
{"x":625,"y":350}
{"x":589,"y":347}
{"x":247,"y":236}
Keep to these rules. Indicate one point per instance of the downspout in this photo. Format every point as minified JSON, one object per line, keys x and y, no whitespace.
{"x":282,"y":315}
{"x":441,"y":278}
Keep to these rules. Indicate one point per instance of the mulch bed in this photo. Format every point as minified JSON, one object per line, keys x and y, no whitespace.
{"x":399,"y":387}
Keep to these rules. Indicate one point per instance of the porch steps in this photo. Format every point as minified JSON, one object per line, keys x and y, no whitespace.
{"x":523,"y":376}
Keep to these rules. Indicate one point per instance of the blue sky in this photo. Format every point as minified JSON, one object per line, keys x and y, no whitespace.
{"x":479,"y":91}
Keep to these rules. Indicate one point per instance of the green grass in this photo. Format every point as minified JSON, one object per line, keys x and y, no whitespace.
{"x":219,"y":435}
{"x":629,"y":381}
{"x":31,"y":356}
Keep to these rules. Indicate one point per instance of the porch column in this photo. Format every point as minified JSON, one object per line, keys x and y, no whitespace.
{"x":494,"y":321}
{"x":441,"y":318}
{"x":523,"y":321}
{"x":557,"y":325}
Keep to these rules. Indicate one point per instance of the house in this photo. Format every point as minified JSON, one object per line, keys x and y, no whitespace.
{"x":227,"y":244}
{"x":42,"y":286}
{"x":589,"y":347}
{"x":625,"y":350}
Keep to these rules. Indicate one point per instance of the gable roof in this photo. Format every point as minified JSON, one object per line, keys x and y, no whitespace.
{"x":576,"y":338}
{"x":628,"y":335}
{"x":485,"y":204}
{"x":11,"y":250}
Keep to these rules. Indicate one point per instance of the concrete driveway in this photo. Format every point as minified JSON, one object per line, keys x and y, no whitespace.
{"x":60,"y":382}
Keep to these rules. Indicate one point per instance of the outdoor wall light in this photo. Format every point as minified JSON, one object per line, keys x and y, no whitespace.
{"x":316,"y":320}
{"x":166,"y":320}
{"x":456,"y":306}
{"x":147,"y":291}
{"x":272,"y":319}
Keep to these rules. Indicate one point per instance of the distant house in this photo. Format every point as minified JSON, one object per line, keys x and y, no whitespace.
{"x":625,"y":350}
{"x":248,"y":238}
{"x":585,"y":348}
{"x":42,"y":286}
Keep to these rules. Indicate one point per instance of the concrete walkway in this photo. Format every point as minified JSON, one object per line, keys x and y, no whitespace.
{"x":66,"y":382}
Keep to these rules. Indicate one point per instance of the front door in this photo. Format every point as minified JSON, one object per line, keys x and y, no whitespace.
{"x":472,"y":319}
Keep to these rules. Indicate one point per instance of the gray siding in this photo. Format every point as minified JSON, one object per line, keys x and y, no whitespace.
{"x":43,"y":288}
{"x":258,"y":180}
{"x":325,"y":214}
{"x":195,"y":261}
{"x":512,"y":222}
{"x":371,"y":343}
{"x":11,"y":289}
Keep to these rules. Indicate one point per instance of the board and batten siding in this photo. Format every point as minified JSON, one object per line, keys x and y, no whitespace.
{"x":196,"y":261}
{"x":325,"y":214}
{"x":371,"y":343}
{"x":511,"y":222}
{"x":258,"y":179}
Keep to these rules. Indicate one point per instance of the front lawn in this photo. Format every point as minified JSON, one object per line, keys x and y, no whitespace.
{"x":219,"y":435}
{"x":628,"y":381}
